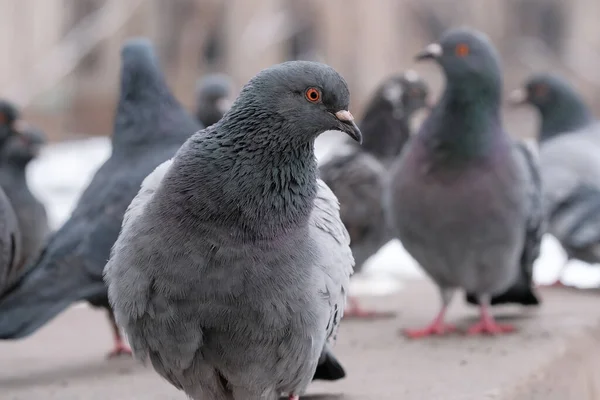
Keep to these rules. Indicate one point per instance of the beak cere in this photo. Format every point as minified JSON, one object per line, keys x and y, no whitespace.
{"x":433,"y":51}
{"x":517,"y":96}
{"x":348,"y":125}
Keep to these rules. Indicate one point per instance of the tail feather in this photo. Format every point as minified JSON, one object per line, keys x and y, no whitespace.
{"x":329,"y":368}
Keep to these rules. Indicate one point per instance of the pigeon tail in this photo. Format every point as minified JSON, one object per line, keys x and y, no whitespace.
{"x":329,"y":369}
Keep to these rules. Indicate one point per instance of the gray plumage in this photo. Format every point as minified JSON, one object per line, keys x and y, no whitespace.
{"x":30,"y":212}
{"x":258,"y":259}
{"x":150,"y":125}
{"x":212,"y":98}
{"x":356,"y":174}
{"x":570,"y":164}
{"x":464,"y":200}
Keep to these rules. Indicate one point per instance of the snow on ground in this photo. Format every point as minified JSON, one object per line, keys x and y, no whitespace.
{"x":63,"y":170}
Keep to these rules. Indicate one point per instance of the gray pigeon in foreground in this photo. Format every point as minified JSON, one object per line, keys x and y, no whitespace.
{"x":570,"y":164}
{"x":356,"y":174}
{"x":464,"y":198}
{"x":150,"y":126}
{"x":231,"y":270}
{"x":31,"y":215}
{"x":212,"y":98}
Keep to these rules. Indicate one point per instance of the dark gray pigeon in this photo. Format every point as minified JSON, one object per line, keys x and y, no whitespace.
{"x":231,"y":270}
{"x":31,"y":215}
{"x":464,"y":199}
{"x":213,"y":93}
{"x":356,"y":174}
{"x":570,"y":164}
{"x":150,"y":125}
{"x":10,"y":235}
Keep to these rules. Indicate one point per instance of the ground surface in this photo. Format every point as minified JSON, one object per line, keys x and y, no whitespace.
{"x":555,"y":356}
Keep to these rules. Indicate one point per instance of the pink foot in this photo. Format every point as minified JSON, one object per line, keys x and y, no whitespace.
{"x":435,"y":329}
{"x":355,"y":311}
{"x":294,"y":397}
{"x":120,"y":349}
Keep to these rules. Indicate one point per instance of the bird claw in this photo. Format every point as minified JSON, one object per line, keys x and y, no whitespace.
{"x":489,"y":328}
{"x":120,"y":350}
{"x":294,"y":397}
{"x":435,"y":329}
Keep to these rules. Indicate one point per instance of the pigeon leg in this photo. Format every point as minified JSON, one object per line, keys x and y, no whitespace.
{"x":437,"y":327}
{"x":120,"y":347}
{"x":487,"y":324}
{"x":294,"y":397}
{"x":356,"y":311}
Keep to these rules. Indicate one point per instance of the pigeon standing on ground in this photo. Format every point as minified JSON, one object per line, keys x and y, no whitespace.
{"x":464,"y":198}
{"x":31,"y":215}
{"x":212,"y":98}
{"x":356,"y":175}
{"x":231,"y":270}
{"x":150,"y":126}
{"x":570,"y":164}
{"x":10,"y":235}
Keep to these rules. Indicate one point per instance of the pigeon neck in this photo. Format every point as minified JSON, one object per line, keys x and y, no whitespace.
{"x":461,"y":129}
{"x":256,"y":186}
{"x":569,"y":115}
{"x":384,"y":130}
{"x":12,"y":175}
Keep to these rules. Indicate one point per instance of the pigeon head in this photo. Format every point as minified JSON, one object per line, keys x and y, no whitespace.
{"x":469,"y":61}
{"x":213,"y":98}
{"x":296,"y":99}
{"x":140,"y":70}
{"x":561,"y":108}
{"x":11,"y":123}
{"x":21,"y":149}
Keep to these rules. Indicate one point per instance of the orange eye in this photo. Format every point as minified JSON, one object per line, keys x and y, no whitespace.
{"x":540,"y":91}
{"x":462,"y":50}
{"x":313,"y":95}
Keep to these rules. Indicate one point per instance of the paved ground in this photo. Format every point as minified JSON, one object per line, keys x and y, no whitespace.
{"x":555,"y":356}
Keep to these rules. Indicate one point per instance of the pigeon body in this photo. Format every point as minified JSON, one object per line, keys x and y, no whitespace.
{"x":356,"y":175}
{"x":30,"y":212}
{"x":569,"y":148}
{"x":150,"y":126}
{"x":463,"y":195}
{"x":212,"y":98}
{"x":231,"y":268}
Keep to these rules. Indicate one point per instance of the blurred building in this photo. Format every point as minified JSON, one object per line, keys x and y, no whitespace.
{"x":61,"y":57}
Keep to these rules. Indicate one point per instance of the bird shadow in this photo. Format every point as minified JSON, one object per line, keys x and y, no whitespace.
{"x":321,"y":397}
{"x":100,"y":368}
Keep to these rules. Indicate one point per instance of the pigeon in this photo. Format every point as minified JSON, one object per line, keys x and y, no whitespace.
{"x":570,"y":167}
{"x":464,"y":198}
{"x":231,"y":270}
{"x":356,"y":174}
{"x":10,"y":235}
{"x":212,"y":98}
{"x":150,"y":126}
{"x":31,"y":214}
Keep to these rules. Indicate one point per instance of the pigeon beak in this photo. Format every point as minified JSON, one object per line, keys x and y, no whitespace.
{"x":517,"y":97}
{"x":432,"y":52}
{"x":348,"y":125}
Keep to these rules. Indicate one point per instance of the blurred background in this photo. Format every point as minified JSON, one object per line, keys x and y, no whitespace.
{"x":61,"y":57}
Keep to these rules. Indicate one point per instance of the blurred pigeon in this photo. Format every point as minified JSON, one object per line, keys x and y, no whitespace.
{"x":464,"y":199}
{"x":31,"y":215}
{"x":10,"y":235}
{"x":356,"y":174}
{"x":150,"y":125}
{"x":570,"y":164}
{"x":212,"y":98}
{"x":231,"y":270}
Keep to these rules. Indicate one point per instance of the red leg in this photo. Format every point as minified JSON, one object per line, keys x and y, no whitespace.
{"x":120,"y":347}
{"x":294,"y":397}
{"x":487,"y":324}
{"x":355,"y":311}
{"x":437,"y":327}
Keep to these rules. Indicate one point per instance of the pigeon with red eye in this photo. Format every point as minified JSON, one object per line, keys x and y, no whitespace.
{"x":464,"y":198}
{"x":231,"y":270}
{"x":356,"y":174}
{"x":569,"y":147}
{"x":31,"y":214}
{"x":213,"y":94}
